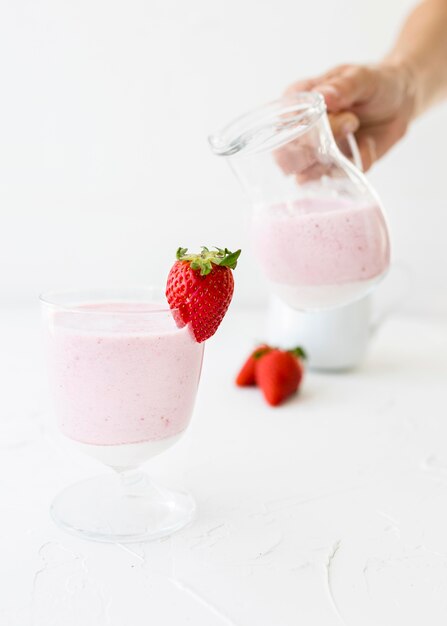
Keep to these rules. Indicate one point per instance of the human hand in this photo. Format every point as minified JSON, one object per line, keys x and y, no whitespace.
{"x":376,"y":103}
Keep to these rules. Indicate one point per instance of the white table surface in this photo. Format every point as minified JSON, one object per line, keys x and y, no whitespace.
{"x":330,"y":510}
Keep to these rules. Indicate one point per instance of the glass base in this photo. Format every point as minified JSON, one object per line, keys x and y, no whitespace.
{"x":121,"y":508}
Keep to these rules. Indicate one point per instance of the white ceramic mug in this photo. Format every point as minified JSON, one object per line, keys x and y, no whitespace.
{"x":335,"y":339}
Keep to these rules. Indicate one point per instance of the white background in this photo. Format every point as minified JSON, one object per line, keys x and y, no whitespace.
{"x":105,"y":108}
{"x":104,"y":112}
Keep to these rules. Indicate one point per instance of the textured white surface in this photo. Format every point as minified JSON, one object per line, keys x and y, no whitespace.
{"x":329,"y":511}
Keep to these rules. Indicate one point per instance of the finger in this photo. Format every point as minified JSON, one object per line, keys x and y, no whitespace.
{"x":295,"y":157}
{"x":313,"y":172}
{"x":332,"y":73}
{"x":343,"y":123}
{"x":302,"y":85}
{"x":351,"y":86}
{"x":330,"y":94}
{"x":375,"y":141}
{"x":308,"y":84}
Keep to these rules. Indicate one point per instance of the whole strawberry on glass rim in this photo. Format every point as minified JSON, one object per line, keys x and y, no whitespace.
{"x":200,"y":287}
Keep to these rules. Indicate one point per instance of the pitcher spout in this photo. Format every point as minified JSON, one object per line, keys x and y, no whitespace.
{"x":270,"y":126}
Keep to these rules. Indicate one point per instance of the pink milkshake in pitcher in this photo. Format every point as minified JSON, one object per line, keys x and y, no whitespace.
{"x":318,"y":231}
{"x":316,"y":252}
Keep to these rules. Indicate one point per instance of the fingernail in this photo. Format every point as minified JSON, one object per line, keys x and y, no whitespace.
{"x":349,"y":126}
{"x":328,"y":91}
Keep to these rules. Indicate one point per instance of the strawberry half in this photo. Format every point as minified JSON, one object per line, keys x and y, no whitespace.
{"x":279,"y":374}
{"x":200,"y":287}
{"x":247,"y":373}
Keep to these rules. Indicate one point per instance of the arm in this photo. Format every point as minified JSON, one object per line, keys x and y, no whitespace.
{"x":421,"y":47}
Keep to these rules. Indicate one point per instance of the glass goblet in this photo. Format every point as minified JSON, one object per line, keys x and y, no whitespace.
{"x":124,"y":378}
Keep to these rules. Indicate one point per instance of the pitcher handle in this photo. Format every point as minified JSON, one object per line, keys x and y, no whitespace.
{"x":353,"y":146}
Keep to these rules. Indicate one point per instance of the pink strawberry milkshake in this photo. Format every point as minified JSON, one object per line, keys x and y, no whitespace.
{"x":320,"y":253}
{"x":125,"y":378}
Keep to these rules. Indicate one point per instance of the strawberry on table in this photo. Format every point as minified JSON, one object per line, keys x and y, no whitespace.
{"x":247,"y":374}
{"x":279,"y":374}
{"x":200,"y":286}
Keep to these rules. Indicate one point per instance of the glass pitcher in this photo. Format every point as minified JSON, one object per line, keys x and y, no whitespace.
{"x":318,"y":231}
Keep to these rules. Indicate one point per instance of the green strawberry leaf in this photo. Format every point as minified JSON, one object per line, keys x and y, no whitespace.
{"x":204,"y":261}
{"x":299,"y":352}
{"x":181,"y":252}
{"x":230,"y":259}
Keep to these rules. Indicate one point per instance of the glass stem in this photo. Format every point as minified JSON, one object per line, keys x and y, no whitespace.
{"x":132,"y":480}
